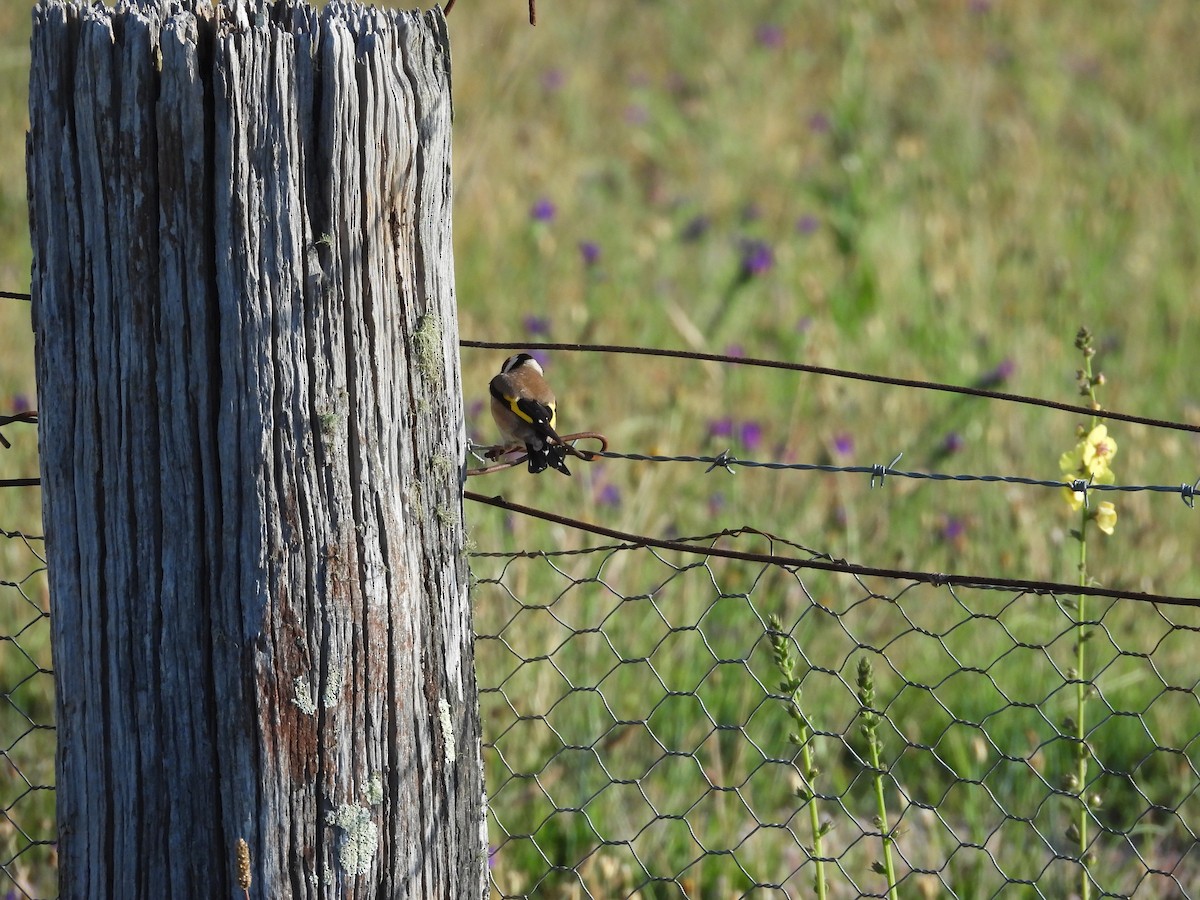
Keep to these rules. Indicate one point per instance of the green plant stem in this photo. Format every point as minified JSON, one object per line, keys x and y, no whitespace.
{"x":814,"y":813}
{"x":1081,"y":687}
{"x":884,"y":829}
{"x":1081,"y":751}
{"x":803,"y":739}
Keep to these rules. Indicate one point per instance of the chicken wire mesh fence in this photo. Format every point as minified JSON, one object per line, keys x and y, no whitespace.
{"x":639,"y":742}
{"x":27,"y":828}
{"x":641,"y":739}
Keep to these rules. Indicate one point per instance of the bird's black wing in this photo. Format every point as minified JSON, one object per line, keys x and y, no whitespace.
{"x":539,"y":415}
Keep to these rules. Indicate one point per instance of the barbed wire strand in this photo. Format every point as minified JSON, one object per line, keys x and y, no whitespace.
{"x":15,"y":295}
{"x":726,"y":460}
{"x":29,"y":417}
{"x":837,"y":373}
{"x":936,"y":579}
{"x":22,"y":536}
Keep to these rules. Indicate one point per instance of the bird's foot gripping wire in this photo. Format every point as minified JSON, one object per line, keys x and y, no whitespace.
{"x":500,"y":459}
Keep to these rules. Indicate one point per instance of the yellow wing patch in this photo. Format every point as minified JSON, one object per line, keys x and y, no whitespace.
{"x":525,"y":408}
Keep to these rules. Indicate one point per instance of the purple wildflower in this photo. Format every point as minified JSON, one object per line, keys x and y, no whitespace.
{"x":998,"y":375}
{"x":807,"y":224}
{"x":804,"y":324}
{"x":20,"y":403}
{"x":843,"y":444}
{"x":542,"y":210}
{"x":609,"y":495}
{"x":737,"y":351}
{"x":720,"y":428}
{"x":751,"y":435}
{"x":952,"y":443}
{"x":553,"y":80}
{"x":818,"y":123}
{"x":589,"y":251}
{"x":769,"y":36}
{"x":757,"y":258}
{"x":953,"y":528}
{"x":537,"y":325}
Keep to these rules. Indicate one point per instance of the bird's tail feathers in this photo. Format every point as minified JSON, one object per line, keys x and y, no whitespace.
{"x":547,"y":456}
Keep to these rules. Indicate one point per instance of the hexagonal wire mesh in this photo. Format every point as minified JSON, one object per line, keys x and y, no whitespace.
{"x":639,"y":741}
{"x":27,"y":827}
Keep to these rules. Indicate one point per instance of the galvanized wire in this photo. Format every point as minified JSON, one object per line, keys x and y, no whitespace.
{"x":637,"y":742}
{"x":27,"y":828}
{"x":879,"y":471}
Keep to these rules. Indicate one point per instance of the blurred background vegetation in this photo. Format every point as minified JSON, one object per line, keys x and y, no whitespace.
{"x":941,"y":190}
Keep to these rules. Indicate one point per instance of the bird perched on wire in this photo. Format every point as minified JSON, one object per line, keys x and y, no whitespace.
{"x":524,"y":410}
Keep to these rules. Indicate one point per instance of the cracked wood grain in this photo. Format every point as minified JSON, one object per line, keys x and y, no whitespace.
{"x":252,"y":448}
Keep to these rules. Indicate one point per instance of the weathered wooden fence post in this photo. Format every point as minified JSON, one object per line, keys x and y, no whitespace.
{"x":252,"y":443}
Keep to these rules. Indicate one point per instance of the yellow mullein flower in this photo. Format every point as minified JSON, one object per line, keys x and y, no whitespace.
{"x":1089,"y":461}
{"x":1098,"y":451}
{"x":1091,"y":457}
{"x":1105,"y":516}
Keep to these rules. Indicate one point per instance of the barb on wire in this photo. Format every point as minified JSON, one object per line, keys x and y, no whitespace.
{"x":496,"y":452}
{"x":983,"y":582}
{"x":723,"y":460}
{"x":1079,"y":486}
{"x":1186,"y":491}
{"x":881,"y":472}
{"x":834,"y":373}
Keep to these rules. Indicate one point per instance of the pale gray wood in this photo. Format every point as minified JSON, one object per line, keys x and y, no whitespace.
{"x":252,"y":443}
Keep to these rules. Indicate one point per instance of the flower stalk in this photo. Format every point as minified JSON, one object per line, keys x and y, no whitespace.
{"x":802,"y":740}
{"x":1088,"y":463}
{"x":870,"y":730}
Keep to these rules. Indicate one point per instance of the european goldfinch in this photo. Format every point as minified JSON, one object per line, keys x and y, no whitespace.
{"x":523,"y":407}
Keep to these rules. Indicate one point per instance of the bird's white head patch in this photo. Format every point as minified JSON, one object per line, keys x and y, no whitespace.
{"x":521,"y":359}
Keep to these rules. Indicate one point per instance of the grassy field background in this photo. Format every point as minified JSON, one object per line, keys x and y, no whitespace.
{"x":947,"y":191}
{"x":940,"y":191}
